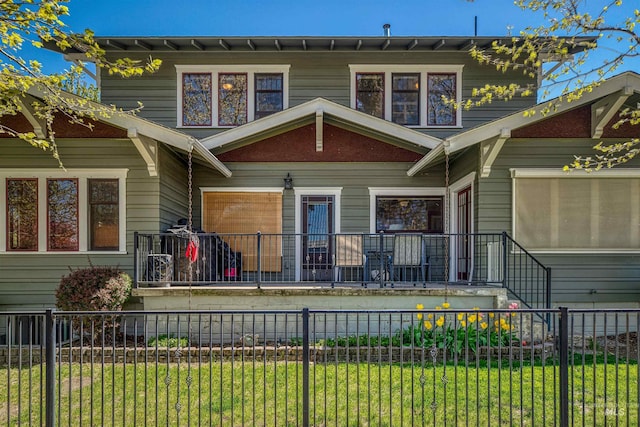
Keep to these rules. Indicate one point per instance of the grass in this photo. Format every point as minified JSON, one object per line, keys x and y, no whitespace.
{"x":258,"y":392}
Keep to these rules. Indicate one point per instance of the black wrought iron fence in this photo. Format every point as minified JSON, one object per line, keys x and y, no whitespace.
{"x":434,"y":366}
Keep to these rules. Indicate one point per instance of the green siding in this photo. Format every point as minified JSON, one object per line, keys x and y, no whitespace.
{"x":576,"y":278}
{"x":31,"y":279}
{"x":174,"y":200}
{"x":312,"y":74}
{"x":354,"y":178}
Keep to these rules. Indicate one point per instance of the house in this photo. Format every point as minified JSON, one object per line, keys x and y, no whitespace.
{"x":323,"y":164}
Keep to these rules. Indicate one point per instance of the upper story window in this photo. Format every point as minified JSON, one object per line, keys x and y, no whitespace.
{"x":53,"y":211}
{"x":217,"y":96}
{"x":411,"y":95}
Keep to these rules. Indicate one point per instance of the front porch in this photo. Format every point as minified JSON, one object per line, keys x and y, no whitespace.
{"x":209,"y":266}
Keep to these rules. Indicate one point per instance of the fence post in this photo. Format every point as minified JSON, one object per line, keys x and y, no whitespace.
{"x":547,"y":304}
{"x":305,"y":367}
{"x":50,"y":373}
{"x":383,"y":266}
{"x":259,"y":266}
{"x":564,"y":366}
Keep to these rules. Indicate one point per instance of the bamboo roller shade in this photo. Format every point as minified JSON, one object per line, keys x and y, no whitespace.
{"x":247,"y":213}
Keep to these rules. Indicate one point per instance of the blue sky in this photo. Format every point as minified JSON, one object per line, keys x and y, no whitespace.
{"x":303,"y":18}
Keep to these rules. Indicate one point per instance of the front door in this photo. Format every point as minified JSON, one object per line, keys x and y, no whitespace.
{"x":463,"y":247}
{"x":317,"y":232}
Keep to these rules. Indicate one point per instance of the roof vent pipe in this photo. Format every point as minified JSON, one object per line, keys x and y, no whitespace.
{"x":387,"y":30}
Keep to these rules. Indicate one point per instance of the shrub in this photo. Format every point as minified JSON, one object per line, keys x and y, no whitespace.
{"x":93,"y":289}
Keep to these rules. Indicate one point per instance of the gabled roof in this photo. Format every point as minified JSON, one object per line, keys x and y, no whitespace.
{"x":610,"y":94}
{"x":137,"y":126}
{"x":327,"y":111}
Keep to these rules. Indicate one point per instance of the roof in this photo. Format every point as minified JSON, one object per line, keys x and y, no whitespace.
{"x":301,"y":43}
{"x":139,"y":126}
{"x":328,"y":111}
{"x":616,"y":88}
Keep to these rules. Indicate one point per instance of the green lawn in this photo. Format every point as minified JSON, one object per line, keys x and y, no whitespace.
{"x":341,"y":394}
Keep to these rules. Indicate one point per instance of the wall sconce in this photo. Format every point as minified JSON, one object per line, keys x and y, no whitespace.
{"x":288,"y":182}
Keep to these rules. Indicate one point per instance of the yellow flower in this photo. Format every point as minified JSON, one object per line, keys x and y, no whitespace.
{"x":463,"y":323}
{"x":483,"y":325}
{"x":438,"y":307}
{"x":492,"y":315}
{"x":496,"y":323}
{"x":419,"y":316}
{"x":513,"y":314}
{"x":428,"y":325}
{"x":440,"y":321}
{"x":460,"y":316}
{"x":420,"y":307}
{"x":446,"y":305}
{"x":472,"y":318}
{"x":475,"y":308}
{"x":430,"y":316}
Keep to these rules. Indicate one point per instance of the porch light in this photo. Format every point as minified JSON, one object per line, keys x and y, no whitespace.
{"x":288,"y":182}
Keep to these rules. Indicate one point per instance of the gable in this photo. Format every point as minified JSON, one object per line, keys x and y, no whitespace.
{"x":574,"y":123}
{"x":339,"y":145}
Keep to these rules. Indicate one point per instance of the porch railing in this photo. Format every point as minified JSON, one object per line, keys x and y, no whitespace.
{"x":384,"y":260}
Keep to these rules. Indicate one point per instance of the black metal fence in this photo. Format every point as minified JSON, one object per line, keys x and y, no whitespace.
{"x":432,"y":366}
{"x":166,"y":259}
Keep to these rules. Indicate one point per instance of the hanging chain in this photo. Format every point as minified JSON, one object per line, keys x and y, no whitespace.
{"x":447,"y":236}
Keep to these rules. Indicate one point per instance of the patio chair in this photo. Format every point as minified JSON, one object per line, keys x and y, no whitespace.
{"x":349,"y":257}
{"x":409,"y":261}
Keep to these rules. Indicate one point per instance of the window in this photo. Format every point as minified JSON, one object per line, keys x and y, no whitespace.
{"x":370,"y":94}
{"x":415,"y":210}
{"x":62,"y":214}
{"x":411,"y":95}
{"x":245,"y":212}
{"x":578,"y":212}
{"x":268,"y":94}
{"x":212,"y":96}
{"x":55,"y":211}
{"x":405,"y":99}
{"x":22,"y":214}
{"x":103,"y":214}
{"x":196,"y":96}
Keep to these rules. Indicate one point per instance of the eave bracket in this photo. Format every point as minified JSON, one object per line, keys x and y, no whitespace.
{"x":603,"y":111}
{"x":489,"y":151}
{"x":148,"y":149}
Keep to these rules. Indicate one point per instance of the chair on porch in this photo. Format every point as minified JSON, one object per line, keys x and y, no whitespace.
{"x":410,"y":262}
{"x":349,"y":258}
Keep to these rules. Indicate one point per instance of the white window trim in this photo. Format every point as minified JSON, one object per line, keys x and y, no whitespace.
{"x":558,"y":173}
{"x":336,"y":192}
{"x":424,"y":70}
{"x":214,"y":70}
{"x":82,"y":175}
{"x":464,"y":182}
{"x":398,"y":191}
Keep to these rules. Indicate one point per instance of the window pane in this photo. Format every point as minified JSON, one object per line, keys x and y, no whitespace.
{"x":22,"y":214}
{"x":422,"y":214}
{"x":232,"y":99}
{"x":62,"y":214}
{"x":104,"y":214}
{"x":370,"y":94}
{"x":196,"y":99}
{"x":405,"y":99}
{"x":268,"y":94}
{"x":439,"y":86}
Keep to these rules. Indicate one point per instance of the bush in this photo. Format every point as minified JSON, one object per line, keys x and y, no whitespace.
{"x":93,"y":289}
